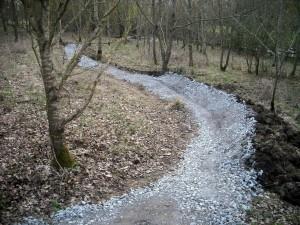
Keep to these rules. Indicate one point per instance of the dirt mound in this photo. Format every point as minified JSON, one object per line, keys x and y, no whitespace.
{"x":277,"y":153}
{"x":277,"y":147}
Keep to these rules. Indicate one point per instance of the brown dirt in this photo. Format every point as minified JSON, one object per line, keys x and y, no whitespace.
{"x":277,"y":145}
{"x":269,"y":209}
{"x":125,"y":138}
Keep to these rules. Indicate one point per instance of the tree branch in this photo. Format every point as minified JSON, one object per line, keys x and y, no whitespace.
{"x":110,"y":10}
{"x":80,"y":110}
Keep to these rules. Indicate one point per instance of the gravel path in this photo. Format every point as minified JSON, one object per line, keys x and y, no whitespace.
{"x":210,"y":186}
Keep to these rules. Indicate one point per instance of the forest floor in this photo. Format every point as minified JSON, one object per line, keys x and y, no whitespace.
{"x":235,"y":80}
{"x":131,"y":142}
{"x":126,"y":138}
{"x":277,"y":148}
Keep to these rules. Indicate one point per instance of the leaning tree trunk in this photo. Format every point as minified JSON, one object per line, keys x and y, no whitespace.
{"x":62,"y":156}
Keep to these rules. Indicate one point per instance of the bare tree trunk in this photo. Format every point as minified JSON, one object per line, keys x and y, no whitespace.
{"x":257,"y":63}
{"x":249,"y":60}
{"x":190,"y":38}
{"x":297,"y":57}
{"x":278,"y":58}
{"x":221,"y":25}
{"x":154,"y":33}
{"x":149,"y":41}
{"x":61,"y":42}
{"x":15,"y":18}
{"x":204,"y":43}
{"x":169,"y":37}
{"x":213,"y":42}
{"x":77,"y":22}
{"x":183,"y":43}
{"x":198,"y":39}
{"x":108,"y":26}
{"x":224,"y":67}
{"x":99,"y":47}
{"x":44,"y":21}
{"x":62,"y":155}
{"x":3,"y":17}
{"x":275,"y":84}
{"x":295,"y":64}
{"x":297,"y":45}
{"x":138,"y":32}
{"x":99,"y":38}
{"x":3,"y":23}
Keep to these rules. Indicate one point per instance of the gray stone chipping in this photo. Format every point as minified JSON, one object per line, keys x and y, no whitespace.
{"x":210,"y":185}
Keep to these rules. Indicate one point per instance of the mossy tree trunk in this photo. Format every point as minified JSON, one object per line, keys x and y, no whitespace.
{"x":61,"y":157}
{"x":44,"y":17}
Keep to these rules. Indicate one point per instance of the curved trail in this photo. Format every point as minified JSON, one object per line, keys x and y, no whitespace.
{"x":210,"y":186}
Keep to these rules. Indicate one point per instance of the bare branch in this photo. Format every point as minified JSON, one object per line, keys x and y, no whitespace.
{"x":246,"y":13}
{"x":143,"y":13}
{"x":35,"y":51}
{"x":80,"y":110}
{"x":110,"y":10}
{"x":254,"y":35}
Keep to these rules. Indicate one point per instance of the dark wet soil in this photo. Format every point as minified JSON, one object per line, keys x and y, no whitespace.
{"x":277,"y":146}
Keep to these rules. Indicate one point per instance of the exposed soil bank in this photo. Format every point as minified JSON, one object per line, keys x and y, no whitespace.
{"x":277,"y":153}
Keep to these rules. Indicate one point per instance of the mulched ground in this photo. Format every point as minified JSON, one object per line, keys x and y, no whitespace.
{"x":125,"y":138}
